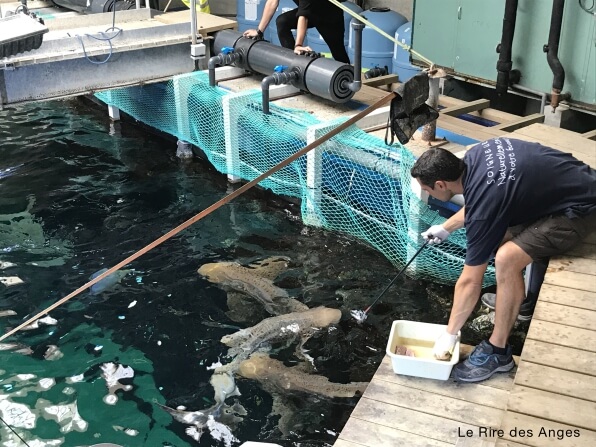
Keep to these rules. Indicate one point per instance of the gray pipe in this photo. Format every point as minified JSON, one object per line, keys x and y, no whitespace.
{"x":220,"y":59}
{"x":322,"y":77}
{"x":356,"y":84}
{"x":286,"y":77}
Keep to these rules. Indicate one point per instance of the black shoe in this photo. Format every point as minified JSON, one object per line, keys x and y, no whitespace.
{"x":483,"y":363}
{"x":525,"y":311}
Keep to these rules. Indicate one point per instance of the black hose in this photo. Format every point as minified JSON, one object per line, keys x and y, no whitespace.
{"x":552,"y":51}
{"x":504,"y":64}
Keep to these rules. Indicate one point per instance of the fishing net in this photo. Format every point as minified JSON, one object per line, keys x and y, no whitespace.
{"x":354,"y":183}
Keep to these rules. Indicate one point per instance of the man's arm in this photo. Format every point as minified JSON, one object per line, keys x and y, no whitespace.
{"x":467,"y":292}
{"x":268,"y":11}
{"x":456,"y":221}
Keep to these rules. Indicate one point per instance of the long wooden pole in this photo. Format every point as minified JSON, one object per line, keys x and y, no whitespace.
{"x":208,"y":210}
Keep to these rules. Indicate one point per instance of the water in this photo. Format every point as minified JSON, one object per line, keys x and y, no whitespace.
{"x":78,"y":194}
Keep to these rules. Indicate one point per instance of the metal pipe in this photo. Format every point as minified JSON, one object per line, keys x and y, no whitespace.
{"x":543,"y":96}
{"x":138,"y":4}
{"x":504,"y":64}
{"x":193,"y":21}
{"x":552,"y":50}
{"x":429,"y":130}
{"x":356,"y":84}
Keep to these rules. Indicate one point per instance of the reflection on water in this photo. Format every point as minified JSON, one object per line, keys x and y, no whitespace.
{"x":78,"y":194}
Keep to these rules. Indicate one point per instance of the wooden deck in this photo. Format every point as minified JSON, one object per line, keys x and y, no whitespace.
{"x":548,"y":400}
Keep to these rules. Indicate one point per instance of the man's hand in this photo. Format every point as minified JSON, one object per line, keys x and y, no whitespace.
{"x":299,"y":49}
{"x":444,"y":346}
{"x":435,"y":234}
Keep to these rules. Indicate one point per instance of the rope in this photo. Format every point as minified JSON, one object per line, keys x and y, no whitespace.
{"x":12,"y":430}
{"x":209,"y":210}
{"x":382,"y":33}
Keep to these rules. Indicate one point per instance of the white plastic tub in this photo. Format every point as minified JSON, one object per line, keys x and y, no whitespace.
{"x":420,"y":338}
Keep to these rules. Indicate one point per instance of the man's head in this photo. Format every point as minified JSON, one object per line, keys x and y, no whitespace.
{"x":439,"y":173}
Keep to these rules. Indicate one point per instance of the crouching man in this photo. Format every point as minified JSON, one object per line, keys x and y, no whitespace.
{"x":523,"y":201}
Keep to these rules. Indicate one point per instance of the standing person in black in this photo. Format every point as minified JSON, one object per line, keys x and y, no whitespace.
{"x":320,"y":14}
{"x":524,"y":203}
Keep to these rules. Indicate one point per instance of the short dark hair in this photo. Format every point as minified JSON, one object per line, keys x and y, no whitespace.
{"x":437,"y":164}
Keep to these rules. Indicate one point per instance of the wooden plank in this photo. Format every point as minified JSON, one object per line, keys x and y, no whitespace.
{"x":369,"y":95}
{"x":562,"y":357}
{"x":380,"y":80}
{"x":569,"y":297}
{"x":552,"y":407}
{"x":495,"y":115}
{"x":371,"y":434}
{"x":515,"y":421}
{"x":206,"y":23}
{"x":562,"y":335}
{"x":343,"y":443}
{"x":461,"y":127}
{"x":415,"y":422}
{"x":591,"y":135}
{"x":467,"y":107}
{"x":434,"y":404}
{"x":572,"y":264}
{"x":561,"y":139}
{"x":569,"y":316}
{"x":474,"y":442}
{"x":573,"y":280}
{"x":520,"y":122}
{"x":481,"y":393}
{"x":555,"y":380}
{"x":507,"y":443}
{"x":449,"y":101}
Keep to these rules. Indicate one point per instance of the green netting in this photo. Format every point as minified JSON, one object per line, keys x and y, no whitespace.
{"x":353,"y":183}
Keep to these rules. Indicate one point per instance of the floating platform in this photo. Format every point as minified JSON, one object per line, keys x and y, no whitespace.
{"x":75,"y":58}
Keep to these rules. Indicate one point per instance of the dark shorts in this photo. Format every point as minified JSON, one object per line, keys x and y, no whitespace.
{"x":551,"y":235}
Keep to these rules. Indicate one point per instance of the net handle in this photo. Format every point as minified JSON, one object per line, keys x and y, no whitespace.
{"x":208,"y":210}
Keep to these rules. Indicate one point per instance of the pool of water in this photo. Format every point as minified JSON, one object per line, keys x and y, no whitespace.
{"x":78,"y":194}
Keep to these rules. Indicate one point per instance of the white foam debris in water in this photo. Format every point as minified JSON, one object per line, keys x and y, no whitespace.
{"x":69,"y":390}
{"x":359,"y":315}
{"x":11,"y":280}
{"x":26,"y":376}
{"x":331,"y":432}
{"x":53,"y":353}
{"x":7,"y":313}
{"x":46,"y":383}
{"x":6,"y":264}
{"x":220,"y":432}
{"x":110,"y":399}
{"x":75,"y":379}
{"x":67,"y":415}
{"x":194,"y":433}
{"x":133,"y":304}
{"x":158,"y":342}
{"x":17,"y":415}
{"x":215,"y":365}
{"x":294,"y":327}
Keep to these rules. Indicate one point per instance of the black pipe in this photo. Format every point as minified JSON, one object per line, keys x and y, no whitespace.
{"x":552,"y":52}
{"x":504,"y":64}
{"x":227,"y":58}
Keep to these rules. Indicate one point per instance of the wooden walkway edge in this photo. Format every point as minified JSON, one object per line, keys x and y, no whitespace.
{"x":548,"y":400}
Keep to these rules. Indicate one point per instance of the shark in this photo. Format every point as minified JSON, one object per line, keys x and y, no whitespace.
{"x":281,"y":378}
{"x":279,"y":328}
{"x":256,"y":281}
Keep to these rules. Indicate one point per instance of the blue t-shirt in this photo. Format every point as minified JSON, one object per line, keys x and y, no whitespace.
{"x":510,"y":182}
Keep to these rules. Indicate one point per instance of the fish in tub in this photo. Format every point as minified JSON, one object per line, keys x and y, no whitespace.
{"x":410,"y":347}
